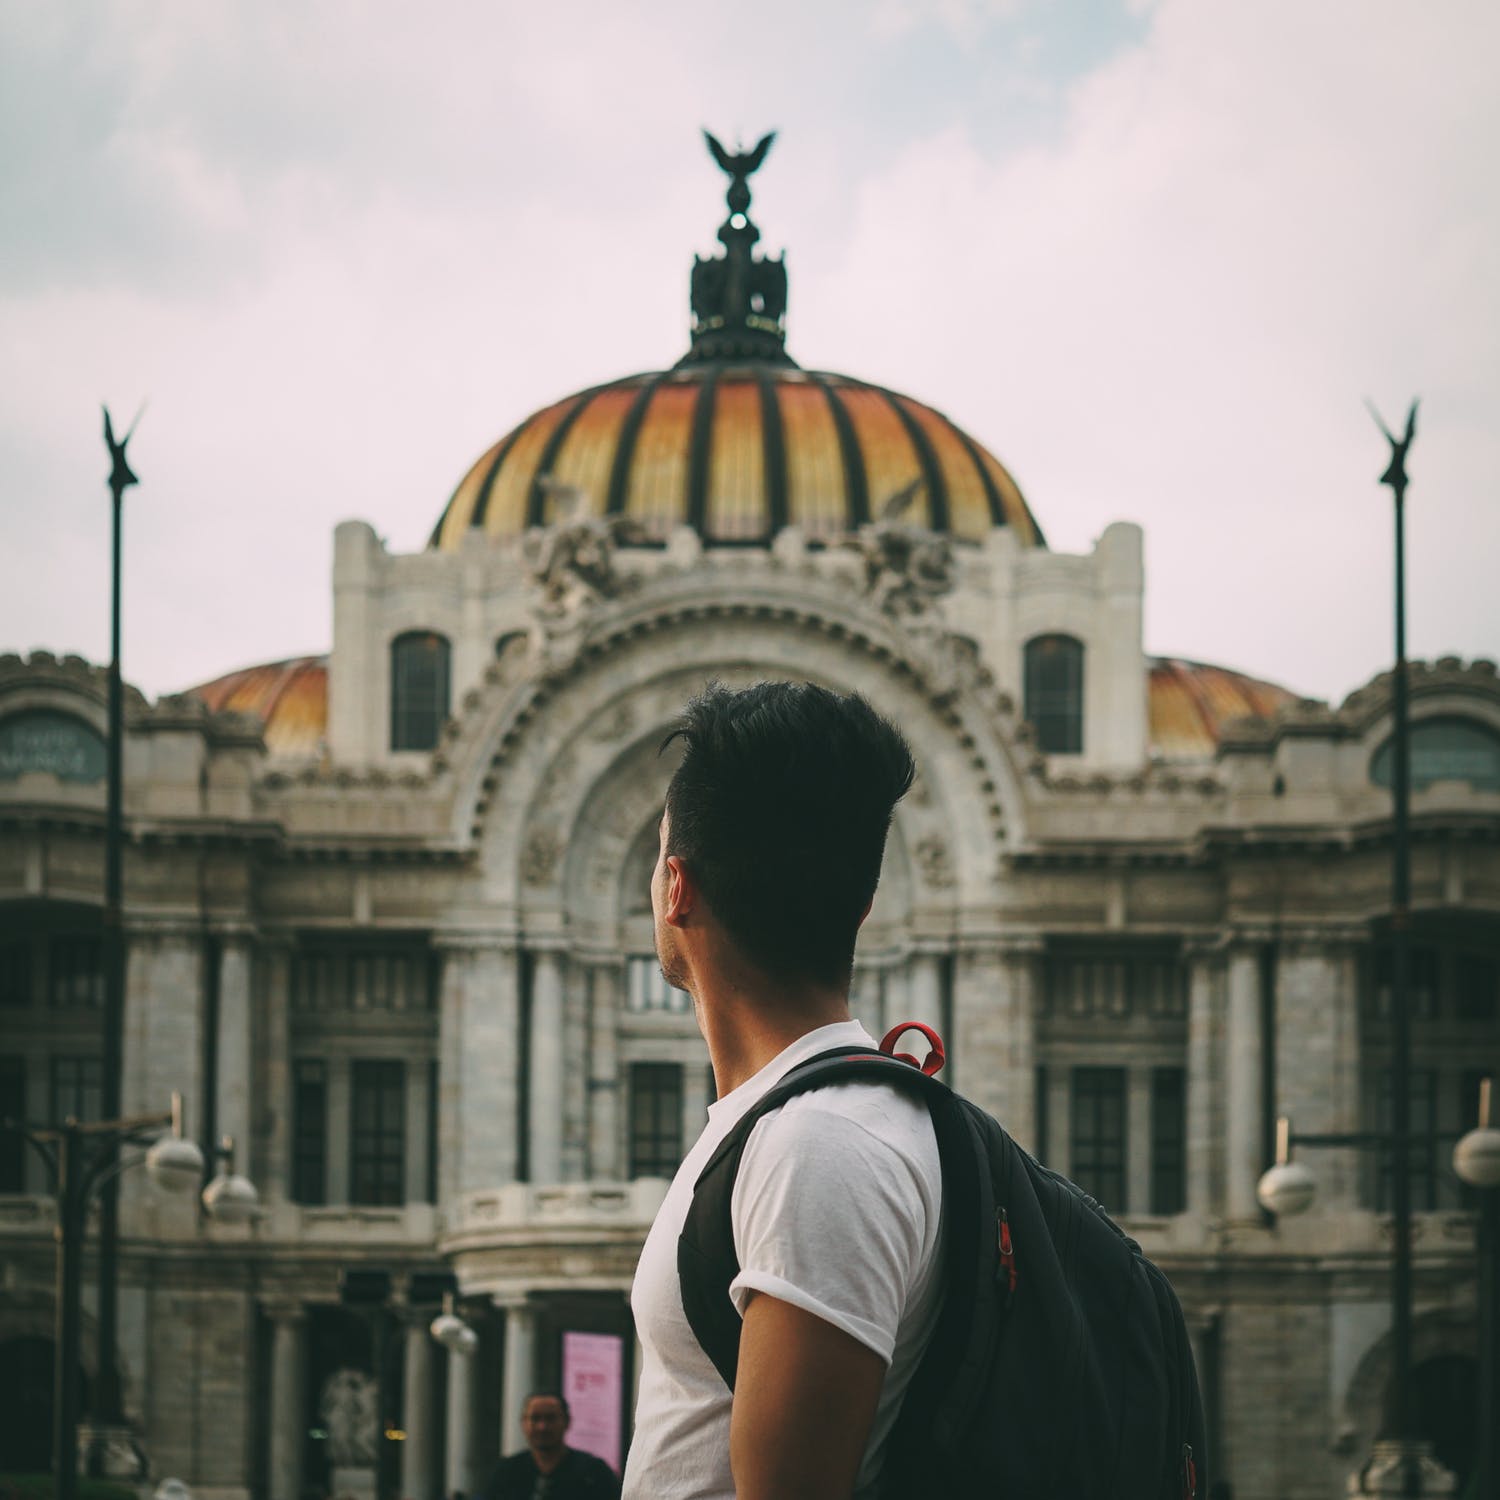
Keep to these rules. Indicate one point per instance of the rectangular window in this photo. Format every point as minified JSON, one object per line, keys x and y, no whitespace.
{"x":378,"y":1138}
{"x":655,"y":1119}
{"x":310,"y":1132}
{"x":647,"y":989}
{"x":1423,"y":1155}
{"x":1478,"y":984}
{"x":12,"y":1107}
{"x":75,"y":972}
{"x":1168,"y":1140}
{"x":15,"y":971}
{"x":77,"y":1088}
{"x":381,"y":977}
{"x":1097,"y":1135}
{"x":1115,"y":985}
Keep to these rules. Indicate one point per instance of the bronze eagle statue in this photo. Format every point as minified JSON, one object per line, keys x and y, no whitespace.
{"x":739,"y":164}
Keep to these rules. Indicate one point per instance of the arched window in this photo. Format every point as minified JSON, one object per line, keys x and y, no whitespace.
{"x":1445,"y":749}
{"x":419,"y":689}
{"x":1054,"y":693}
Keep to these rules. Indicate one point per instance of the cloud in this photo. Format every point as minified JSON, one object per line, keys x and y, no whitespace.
{"x":343,"y":247}
{"x":1248,"y":222}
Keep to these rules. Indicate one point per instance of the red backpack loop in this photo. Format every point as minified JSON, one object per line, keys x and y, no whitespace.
{"x":936,"y":1056}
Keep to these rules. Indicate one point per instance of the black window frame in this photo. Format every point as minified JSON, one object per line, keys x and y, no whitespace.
{"x":1053,"y":677}
{"x":420,"y":705}
{"x":1168,"y":1141}
{"x":656,"y":1145}
{"x":12,"y":1106}
{"x":377,"y":1146}
{"x":309,"y":1183}
{"x":80,"y":1096}
{"x":1097,"y":1155}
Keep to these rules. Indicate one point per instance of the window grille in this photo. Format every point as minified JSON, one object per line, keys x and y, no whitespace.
{"x":419,"y":689}
{"x":647,"y":989}
{"x":1054,"y":693}
{"x":77,"y":1088}
{"x":1097,"y":1135}
{"x":75,"y":969}
{"x":12,"y":1107}
{"x":310,"y":1132}
{"x":1168,"y":1140}
{"x":655,"y":1119}
{"x":377,"y":1167}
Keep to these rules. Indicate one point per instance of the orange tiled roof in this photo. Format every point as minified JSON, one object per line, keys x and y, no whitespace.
{"x":289,"y":697}
{"x":1191,"y":702}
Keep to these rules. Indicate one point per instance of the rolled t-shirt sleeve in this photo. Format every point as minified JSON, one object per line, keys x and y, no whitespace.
{"x":830,"y":1219}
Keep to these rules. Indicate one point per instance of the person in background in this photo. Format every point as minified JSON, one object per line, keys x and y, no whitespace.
{"x":548,"y":1469}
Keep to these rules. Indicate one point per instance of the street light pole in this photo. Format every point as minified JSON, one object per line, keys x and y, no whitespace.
{"x":1401,"y":1277}
{"x":107,"y":1411}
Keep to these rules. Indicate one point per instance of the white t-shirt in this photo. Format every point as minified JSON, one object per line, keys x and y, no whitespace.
{"x":836,"y":1210}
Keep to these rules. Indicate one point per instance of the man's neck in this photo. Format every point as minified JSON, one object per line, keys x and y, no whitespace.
{"x":547,"y":1462}
{"x":748,"y":1025}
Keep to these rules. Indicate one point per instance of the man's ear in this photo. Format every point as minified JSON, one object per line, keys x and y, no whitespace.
{"x":682,"y":893}
{"x":866,"y":912}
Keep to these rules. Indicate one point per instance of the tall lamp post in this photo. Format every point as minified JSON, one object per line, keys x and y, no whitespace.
{"x":1287,"y":1187}
{"x":83,"y":1157}
{"x":108,"y":1412}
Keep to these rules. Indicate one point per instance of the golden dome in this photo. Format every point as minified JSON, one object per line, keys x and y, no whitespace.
{"x":737,"y":451}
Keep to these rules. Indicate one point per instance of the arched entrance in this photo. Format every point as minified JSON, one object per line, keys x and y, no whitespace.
{"x":26,"y":1376}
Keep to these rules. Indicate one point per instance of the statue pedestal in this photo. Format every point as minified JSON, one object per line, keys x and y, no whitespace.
{"x":355,"y":1482}
{"x":1386,"y":1473}
{"x":119,"y":1455}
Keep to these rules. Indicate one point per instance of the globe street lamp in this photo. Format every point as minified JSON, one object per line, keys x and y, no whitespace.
{"x":83,"y":1157}
{"x":1476,"y":1159}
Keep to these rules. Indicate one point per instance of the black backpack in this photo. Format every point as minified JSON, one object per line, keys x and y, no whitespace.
{"x":1059,"y":1364}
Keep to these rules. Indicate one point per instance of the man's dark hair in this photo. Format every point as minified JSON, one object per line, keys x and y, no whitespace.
{"x":556,"y":1396}
{"x":780,"y":810}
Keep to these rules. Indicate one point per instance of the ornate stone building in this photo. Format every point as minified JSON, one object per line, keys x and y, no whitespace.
{"x":388,"y":928}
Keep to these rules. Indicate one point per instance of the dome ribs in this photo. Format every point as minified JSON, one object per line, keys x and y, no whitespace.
{"x":630,"y":430}
{"x":536,"y":496}
{"x":933,"y":477}
{"x":773,"y":441}
{"x":856,"y":483}
{"x":700,"y":452}
{"x":482,"y":503}
{"x":986,"y":479}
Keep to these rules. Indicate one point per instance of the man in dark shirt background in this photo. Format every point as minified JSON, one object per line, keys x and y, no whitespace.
{"x":549,"y":1469}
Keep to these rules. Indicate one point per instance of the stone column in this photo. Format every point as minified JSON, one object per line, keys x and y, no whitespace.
{"x":418,"y":1084}
{"x":520,"y":1370}
{"x":1242,"y":1154}
{"x":1138,"y":1140}
{"x":994,"y":1032}
{"x":233,"y":1073}
{"x":288,"y":1398}
{"x":1317,"y":1054}
{"x":418,"y":1453}
{"x":460,"y":1472}
{"x":1203,"y":977}
{"x":605,"y":987}
{"x":546,"y":1068}
{"x":273,"y":1174}
{"x":340,"y":1120}
{"x":488,"y":1066}
{"x":925,"y":997}
{"x":163,"y":1052}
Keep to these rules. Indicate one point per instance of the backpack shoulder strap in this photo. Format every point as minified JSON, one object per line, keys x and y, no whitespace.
{"x":706,"y":1258}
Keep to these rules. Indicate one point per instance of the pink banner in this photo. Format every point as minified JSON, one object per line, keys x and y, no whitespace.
{"x":593,"y":1382}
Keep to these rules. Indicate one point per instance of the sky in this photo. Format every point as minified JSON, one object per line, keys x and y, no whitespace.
{"x":1154,"y":254}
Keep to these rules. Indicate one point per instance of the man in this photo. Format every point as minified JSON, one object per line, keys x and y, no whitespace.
{"x":770,"y":850}
{"x":549,"y":1469}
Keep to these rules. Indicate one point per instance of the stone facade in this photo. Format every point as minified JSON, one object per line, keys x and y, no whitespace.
{"x":416,"y":986}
